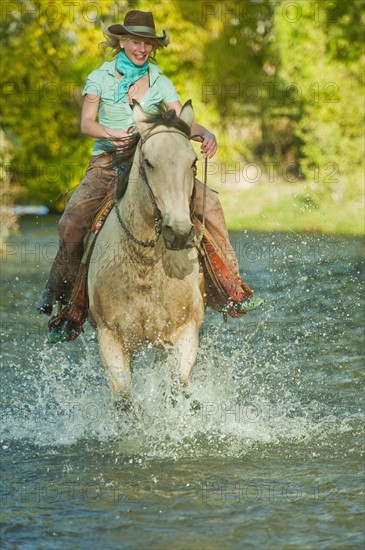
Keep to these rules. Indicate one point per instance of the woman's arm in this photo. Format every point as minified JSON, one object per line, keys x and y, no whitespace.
{"x":209,"y":143}
{"x":90,"y":127}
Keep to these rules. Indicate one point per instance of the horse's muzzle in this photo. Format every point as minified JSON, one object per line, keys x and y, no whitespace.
{"x":178,"y":239}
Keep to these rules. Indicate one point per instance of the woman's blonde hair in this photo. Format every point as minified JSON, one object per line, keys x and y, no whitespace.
{"x":112,"y":42}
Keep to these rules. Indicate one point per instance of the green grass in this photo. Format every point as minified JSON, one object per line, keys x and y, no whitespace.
{"x":284,"y":206}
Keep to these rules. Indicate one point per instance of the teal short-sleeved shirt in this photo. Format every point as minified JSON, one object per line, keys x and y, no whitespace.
{"x":102,"y":82}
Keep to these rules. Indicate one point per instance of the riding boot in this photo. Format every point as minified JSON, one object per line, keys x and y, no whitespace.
{"x":62,"y":277}
{"x":212,"y":211}
{"x":49,"y":297}
{"x":74,"y":224}
{"x":207,"y":207}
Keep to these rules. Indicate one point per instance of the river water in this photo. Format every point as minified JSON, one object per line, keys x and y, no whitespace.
{"x":273,"y":459}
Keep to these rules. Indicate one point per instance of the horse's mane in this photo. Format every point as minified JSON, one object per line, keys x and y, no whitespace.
{"x":123,"y":159}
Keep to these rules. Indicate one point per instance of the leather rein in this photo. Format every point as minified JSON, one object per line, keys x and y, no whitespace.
{"x":157,"y":213}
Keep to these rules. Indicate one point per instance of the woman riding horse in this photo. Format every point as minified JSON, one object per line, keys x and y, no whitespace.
{"x":144,"y":280}
{"x":107,"y":116}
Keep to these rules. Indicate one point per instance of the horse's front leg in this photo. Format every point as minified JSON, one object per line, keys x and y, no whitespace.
{"x":116,"y":361}
{"x":186,"y":349}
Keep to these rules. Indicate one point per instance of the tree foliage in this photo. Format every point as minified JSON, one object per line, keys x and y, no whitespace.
{"x":278,"y":82}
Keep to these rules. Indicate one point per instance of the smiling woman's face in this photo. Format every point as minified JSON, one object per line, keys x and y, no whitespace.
{"x":136,"y":49}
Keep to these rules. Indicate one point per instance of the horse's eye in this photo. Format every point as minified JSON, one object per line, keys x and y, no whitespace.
{"x":148,"y":164}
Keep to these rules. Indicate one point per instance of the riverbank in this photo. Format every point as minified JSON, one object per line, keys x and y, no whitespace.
{"x":273,"y":204}
{"x":279,"y":205}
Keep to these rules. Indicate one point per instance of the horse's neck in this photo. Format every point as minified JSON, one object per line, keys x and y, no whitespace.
{"x":137,"y":212}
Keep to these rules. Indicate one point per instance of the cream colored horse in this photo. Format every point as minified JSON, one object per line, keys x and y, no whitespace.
{"x":144,"y":274}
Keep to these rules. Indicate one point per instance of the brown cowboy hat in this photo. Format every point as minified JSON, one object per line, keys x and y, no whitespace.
{"x":138,"y":23}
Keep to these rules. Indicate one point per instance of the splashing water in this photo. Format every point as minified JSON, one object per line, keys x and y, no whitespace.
{"x":238,"y":398}
{"x":270,"y":434}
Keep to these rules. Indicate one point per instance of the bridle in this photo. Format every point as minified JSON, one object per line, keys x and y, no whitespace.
{"x":157,"y":213}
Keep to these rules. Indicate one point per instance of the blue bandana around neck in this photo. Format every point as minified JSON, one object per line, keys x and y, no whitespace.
{"x":131,"y":73}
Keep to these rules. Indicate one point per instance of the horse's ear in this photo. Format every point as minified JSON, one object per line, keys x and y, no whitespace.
{"x":187,"y":113}
{"x":139,"y":117}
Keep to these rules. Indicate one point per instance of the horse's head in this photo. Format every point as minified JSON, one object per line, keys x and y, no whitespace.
{"x":168,"y":163}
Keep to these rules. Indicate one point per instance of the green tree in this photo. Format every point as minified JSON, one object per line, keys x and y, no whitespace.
{"x":41,"y":81}
{"x":279,"y":82}
{"x":321,"y":56}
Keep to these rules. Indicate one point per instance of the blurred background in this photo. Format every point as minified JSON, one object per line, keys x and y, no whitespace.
{"x":280,"y":84}
{"x":274,"y":459}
